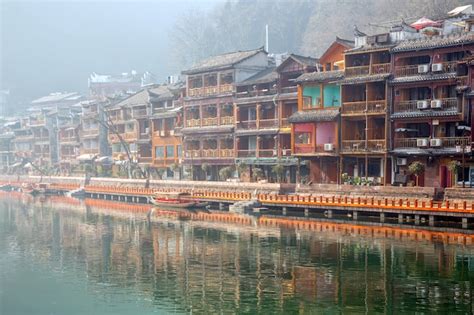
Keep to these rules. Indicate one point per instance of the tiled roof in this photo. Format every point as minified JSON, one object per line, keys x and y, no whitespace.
{"x":424,"y":77}
{"x":143,"y":97}
{"x":57,"y":97}
{"x":264,"y":76}
{"x":207,"y":130}
{"x":320,"y":76}
{"x":346,"y":42}
{"x":363,"y":79}
{"x":369,"y":48}
{"x":306,"y":60}
{"x":421,"y":151}
{"x":222,"y":61}
{"x":435,"y":42}
{"x":425,"y":113}
{"x":317,"y":115}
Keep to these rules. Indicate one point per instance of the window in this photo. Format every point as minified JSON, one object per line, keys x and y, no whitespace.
{"x":170,"y":151}
{"x":159,"y":152}
{"x":179,"y":150}
{"x":328,"y":67}
{"x":303,"y":138}
{"x":133,"y":147}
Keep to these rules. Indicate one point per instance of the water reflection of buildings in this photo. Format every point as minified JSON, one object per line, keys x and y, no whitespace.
{"x":261,"y":265}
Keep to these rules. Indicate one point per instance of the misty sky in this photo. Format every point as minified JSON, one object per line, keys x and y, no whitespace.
{"x":49,"y":46}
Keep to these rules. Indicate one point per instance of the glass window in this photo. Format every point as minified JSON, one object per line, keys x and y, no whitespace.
{"x":170,"y":151}
{"x":159,"y":152}
{"x":303,"y":138}
{"x":179,"y":150}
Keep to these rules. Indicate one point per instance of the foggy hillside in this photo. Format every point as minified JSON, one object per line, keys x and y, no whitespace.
{"x":306,"y":26}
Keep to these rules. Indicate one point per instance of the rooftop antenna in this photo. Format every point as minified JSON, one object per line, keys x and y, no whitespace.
{"x":266,"y":37}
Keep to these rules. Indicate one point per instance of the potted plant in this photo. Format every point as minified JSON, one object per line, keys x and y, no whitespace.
{"x":416,"y":168}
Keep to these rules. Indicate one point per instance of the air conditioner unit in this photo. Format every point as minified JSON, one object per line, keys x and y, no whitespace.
{"x":328,"y":147}
{"x":423,"y":68}
{"x":401,"y":161}
{"x":171,"y":132}
{"x":421,"y":142}
{"x":435,"y":142}
{"x":147,"y":130}
{"x":422,"y":104}
{"x":162,"y":133}
{"x":436,"y":67}
{"x":436,"y":104}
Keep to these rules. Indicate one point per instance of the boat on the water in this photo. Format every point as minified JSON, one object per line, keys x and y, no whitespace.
{"x":175,"y":200}
{"x":38,"y":189}
{"x":6,"y":187}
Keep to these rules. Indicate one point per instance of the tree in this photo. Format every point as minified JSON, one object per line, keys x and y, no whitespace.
{"x":226,"y":172}
{"x":454,"y":167}
{"x":257,"y":173}
{"x":416,"y":168}
{"x":279,"y":171}
{"x":205,"y":168}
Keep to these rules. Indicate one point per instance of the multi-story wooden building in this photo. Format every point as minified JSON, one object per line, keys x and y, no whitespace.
{"x":23,"y":141}
{"x":93,"y":132}
{"x":430,"y":111}
{"x":166,"y":123}
{"x":316,"y":124}
{"x":208,"y":109}
{"x":364,"y":120}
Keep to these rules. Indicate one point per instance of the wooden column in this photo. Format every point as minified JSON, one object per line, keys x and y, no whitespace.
{"x":200,"y":115}
{"x":259,"y":107}
{"x":258,"y":146}
{"x":218,"y":110}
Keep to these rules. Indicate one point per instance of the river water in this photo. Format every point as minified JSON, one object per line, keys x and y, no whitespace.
{"x":61,"y":256}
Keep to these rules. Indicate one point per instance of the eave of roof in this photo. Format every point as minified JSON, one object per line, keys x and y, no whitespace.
{"x":317,"y":115}
{"x":435,"y":42}
{"x":320,"y":76}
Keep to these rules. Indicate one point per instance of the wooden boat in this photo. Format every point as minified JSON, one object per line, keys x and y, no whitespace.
{"x":6,"y":187}
{"x":29,"y":189}
{"x":38,"y":189}
{"x":175,"y":200}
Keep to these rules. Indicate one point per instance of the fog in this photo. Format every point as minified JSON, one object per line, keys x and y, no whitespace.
{"x":51,"y":46}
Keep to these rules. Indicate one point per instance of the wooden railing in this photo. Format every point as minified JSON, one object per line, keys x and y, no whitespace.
{"x":227,"y":153}
{"x":412,"y":70}
{"x":226,"y":88}
{"x":380,"y":68}
{"x":90,"y":151}
{"x":193,"y":123}
{"x":247,"y":124}
{"x":227,"y":120}
{"x":130,"y":135}
{"x":446,"y":142}
{"x":362,"y":107}
{"x":357,"y":71}
{"x":266,"y":153}
{"x":192,"y":153}
{"x":289,"y":89}
{"x":354,"y":107}
{"x":412,"y":105}
{"x":211,"y":90}
{"x":284,"y":123}
{"x":359,"y":146}
{"x":256,"y":93}
{"x":246,"y":153}
{"x":210,"y":153}
{"x":210,"y":121}
{"x":268,"y":123}
{"x":90,"y":132}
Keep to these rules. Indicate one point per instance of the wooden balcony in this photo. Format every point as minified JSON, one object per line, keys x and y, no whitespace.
{"x":90,"y":151}
{"x":412,"y":70}
{"x":267,"y":153}
{"x":90,"y":132}
{"x":193,"y":123}
{"x":380,"y":68}
{"x":145,"y":160}
{"x":246,"y":153}
{"x":262,"y":153}
{"x":289,"y":89}
{"x":268,"y":123}
{"x":412,"y":105}
{"x":446,"y":142}
{"x":130,"y":135}
{"x":363,"y":146}
{"x":227,"y":120}
{"x":247,"y":124}
{"x":364,"y":107}
{"x":209,"y":153}
{"x":210,"y":121}
{"x":357,"y":71}
{"x":210,"y":90}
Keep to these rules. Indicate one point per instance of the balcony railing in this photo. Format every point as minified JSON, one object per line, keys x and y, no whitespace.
{"x":247,"y":124}
{"x":354,"y":107}
{"x":284,"y":123}
{"x":210,"y":121}
{"x":357,"y":71}
{"x":210,"y":90}
{"x":412,"y":105}
{"x":90,"y":151}
{"x":268,"y":123}
{"x":90,"y":132}
{"x":256,"y":93}
{"x":227,"y":120}
{"x":193,"y":123}
{"x":225,"y":153}
{"x":380,"y":68}
{"x":446,"y":142}
{"x":361,"y":146}
{"x":192,"y":154}
{"x":246,"y":153}
{"x":267,"y":153}
{"x":130,"y":135}
{"x":210,"y":153}
{"x":412,"y":70}
{"x":289,"y":89}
